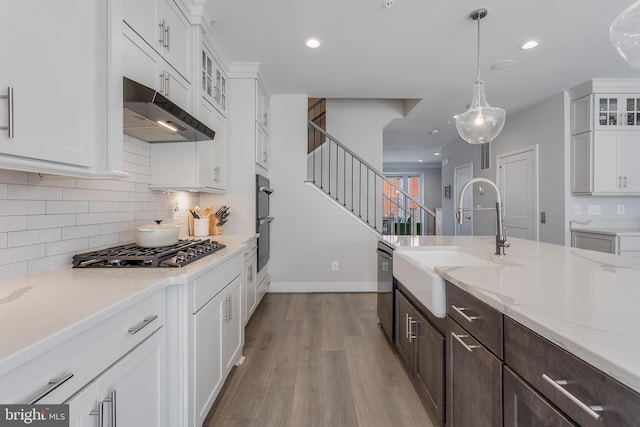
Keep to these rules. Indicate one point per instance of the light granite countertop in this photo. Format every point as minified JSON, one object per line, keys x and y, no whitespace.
{"x":41,"y":311}
{"x":584,"y":301}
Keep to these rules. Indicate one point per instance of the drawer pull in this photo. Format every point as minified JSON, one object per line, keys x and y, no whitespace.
{"x":54,"y":383}
{"x":557,"y":384}
{"x":137,"y":328}
{"x":460,"y":311}
{"x":465,"y":345}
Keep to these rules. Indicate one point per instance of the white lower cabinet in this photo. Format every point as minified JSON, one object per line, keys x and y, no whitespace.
{"x":250,"y":286}
{"x":129,"y":393}
{"x":216,"y":332}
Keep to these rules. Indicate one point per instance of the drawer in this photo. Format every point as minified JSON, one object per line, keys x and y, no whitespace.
{"x":215,"y":280}
{"x":479,"y":319}
{"x":629,"y":243}
{"x":79,"y":360}
{"x":543,"y":364}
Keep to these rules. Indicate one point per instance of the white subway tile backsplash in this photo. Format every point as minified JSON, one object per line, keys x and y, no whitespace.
{"x":51,"y":180}
{"x":104,"y":240}
{"x":33,"y":192}
{"x":42,"y":265}
{"x":113,"y":196}
{"x":33,"y":237}
{"x":114,"y":227}
{"x":13,"y":177}
{"x":80,"y":194}
{"x":123,"y":186}
{"x":13,"y":223}
{"x":94,"y":184}
{"x":104,"y":206}
{"x":92,"y":218}
{"x":36,"y":222}
{"x":67,"y":246}
{"x":65,"y":207}
{"x":14,"y":270}
{"x":121,"y":217}
{"x":45,"y":219}
{"x":76,"y":232}
{"x":21,"y":253}
{"x":21,"y":207}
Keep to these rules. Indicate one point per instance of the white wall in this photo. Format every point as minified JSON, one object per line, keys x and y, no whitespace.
{"x":310,"y":231}
{"x":541,"y":124}
{"x":45,"y":220}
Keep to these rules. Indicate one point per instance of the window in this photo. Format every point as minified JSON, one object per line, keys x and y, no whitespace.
{"x":485,"y":156}
{"x":394,"y":200}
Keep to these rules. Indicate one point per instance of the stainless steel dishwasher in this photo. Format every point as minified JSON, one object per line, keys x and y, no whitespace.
{"x":386,"y":287}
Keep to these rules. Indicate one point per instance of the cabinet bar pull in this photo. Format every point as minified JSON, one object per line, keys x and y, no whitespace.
{"x":412,"y":336}
{"x":557,"y":384}
{"x":54,"y":383}
{"x":230,"y":305}
{"x":460,"y":311}
{"x":163,"y":33}
{"x":167,"y":32}
{"x":624,"y":181}
{"x":406,"y":325}
{"x":114,"y":413}
{"x":137,"y":328}
{"x":99,"y":413}
{"x":465,"y":345}
{"x":9,"y":98}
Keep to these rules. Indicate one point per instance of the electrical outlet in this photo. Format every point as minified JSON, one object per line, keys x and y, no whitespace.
{"x":175,"y":212}
{"x":578,"y":210}
{"x":594,"y":210}
{"x":543,"y":217}
{"x":335,"y":266}
{"x":620,"y":209}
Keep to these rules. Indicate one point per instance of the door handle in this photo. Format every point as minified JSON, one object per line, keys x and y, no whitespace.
{"x":9,"y":98}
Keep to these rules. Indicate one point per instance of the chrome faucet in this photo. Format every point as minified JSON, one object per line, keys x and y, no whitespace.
{"x":501,"y":238}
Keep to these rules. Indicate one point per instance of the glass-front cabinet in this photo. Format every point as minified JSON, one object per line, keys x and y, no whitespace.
{"x":616,"y":111}
{"x":214,"y":80}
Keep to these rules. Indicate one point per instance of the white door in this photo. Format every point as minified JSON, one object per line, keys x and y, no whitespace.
{"x":462,"y":175}
{"x":518,"y":184}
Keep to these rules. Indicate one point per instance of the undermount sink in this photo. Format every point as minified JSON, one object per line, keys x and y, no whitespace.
{"x":415,"y":267}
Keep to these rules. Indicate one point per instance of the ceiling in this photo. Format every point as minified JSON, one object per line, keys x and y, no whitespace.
{"x":426,"y":50}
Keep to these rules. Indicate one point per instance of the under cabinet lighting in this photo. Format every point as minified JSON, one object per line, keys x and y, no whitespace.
{"x":167,"y":125}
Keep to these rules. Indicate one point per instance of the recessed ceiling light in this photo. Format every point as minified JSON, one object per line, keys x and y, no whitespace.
{"x":312,"y":43}
{"x":530,"y":44}
{"x":503,"y":65}
{"x":434,"y":132}
{"x":420,"y":160}
{"x":436,"y":154}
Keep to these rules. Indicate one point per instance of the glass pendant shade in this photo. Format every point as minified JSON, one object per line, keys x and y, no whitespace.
{"x":625,"y":34}
{"x":481,"y":123}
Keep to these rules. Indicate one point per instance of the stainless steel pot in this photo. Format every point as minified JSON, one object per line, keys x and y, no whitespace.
{"x":156,"y":235}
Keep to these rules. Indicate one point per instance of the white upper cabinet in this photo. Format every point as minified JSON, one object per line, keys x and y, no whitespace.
{"x":605,"y":112}
{"x":54,"y":88}
{"x":213,"y":80}
{"x":163,"y":27}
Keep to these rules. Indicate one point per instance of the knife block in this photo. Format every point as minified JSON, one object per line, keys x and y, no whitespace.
{"x":214,"y":228}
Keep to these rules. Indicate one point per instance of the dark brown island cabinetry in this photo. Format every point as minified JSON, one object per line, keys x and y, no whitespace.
{"x":474,"y":365}
{"x":421,"y":346}
{"x":479,"y":367}
{"x":586,"y":395}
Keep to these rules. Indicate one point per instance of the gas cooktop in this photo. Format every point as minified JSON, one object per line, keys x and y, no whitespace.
{"x":132,"y":255}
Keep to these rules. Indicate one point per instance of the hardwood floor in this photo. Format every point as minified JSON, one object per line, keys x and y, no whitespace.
{"x":318,"y":360}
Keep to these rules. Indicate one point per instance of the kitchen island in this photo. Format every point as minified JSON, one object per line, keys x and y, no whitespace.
{"x":585,"y":302}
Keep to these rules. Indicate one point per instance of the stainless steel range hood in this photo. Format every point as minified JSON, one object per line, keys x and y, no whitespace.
{"x":150,"y":116}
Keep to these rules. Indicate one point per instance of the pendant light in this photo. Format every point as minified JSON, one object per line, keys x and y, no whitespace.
{"x":625,"y":34}
{"x":481,"y":123}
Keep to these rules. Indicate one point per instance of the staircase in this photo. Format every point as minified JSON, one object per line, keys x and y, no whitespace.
{"x":361,"y":189}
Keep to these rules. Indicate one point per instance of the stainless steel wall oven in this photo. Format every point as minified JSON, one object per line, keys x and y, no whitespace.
{"x":263,"y":220}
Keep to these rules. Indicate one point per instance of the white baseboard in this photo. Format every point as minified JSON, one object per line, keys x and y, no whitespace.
{"x":306,"y":287}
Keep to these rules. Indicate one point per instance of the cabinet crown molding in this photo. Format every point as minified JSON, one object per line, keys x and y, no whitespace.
{"x":599,"y":85}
